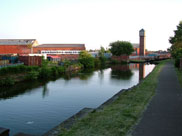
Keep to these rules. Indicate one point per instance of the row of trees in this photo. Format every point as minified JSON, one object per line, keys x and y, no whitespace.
{"x":176,"y":47}
{"x":117,"y":48}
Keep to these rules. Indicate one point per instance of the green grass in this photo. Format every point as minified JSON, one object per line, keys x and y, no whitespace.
{"x":179,"y":74}
{"x":117,"y":118}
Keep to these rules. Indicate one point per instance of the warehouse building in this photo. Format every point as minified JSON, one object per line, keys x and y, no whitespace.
{"x":25,"y":47}
{"x":17,"y":46}
{"x":60,"y":51}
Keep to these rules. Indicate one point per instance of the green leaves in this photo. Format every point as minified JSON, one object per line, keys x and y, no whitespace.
{"x":86,"y":59}
{"x":121,"y":48}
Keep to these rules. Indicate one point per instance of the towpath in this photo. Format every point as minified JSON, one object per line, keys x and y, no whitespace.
{"x":163,"y":116}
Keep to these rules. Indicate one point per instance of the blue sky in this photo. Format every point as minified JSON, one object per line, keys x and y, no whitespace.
{"x":93,"y":22}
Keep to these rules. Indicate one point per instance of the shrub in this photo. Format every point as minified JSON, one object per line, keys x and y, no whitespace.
{"x":87,"y":62}
{"x":97,"y":62}
{"x":66,"y":63}
{"x":61,"y":70}
{"x":54,"y":71}
{"x":32,"y":75}
{"x":7,"y":81}
{"x":45,"y":73}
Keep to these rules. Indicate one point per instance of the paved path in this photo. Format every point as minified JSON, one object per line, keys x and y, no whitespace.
{"x":163,"y":116}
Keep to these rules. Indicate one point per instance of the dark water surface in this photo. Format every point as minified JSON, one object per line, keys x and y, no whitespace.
{"x":37,"y":107}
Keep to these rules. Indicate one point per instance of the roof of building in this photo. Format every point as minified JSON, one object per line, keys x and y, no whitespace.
{"x":135,"y":45}
{"x":16,"y":41}
{"x":60,"y":45}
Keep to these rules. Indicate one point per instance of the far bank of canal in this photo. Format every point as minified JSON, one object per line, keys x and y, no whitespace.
{"x":43,"y":106}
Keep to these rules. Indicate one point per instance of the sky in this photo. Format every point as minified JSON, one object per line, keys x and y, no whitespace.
{"x":92,"y":22}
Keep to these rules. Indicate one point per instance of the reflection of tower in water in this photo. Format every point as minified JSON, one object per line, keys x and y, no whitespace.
{"x":141,"y":71}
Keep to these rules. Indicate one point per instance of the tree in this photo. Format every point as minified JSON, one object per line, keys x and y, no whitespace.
{"x":86,"y":59}
{"x":84,"y":54}
{"x":102,"y":58}
{"x":177,"y":35}
{"x":176,"y":47}
{"x":176,"y":40}
{"x":101,"y":52}
{"x":121,"y":47}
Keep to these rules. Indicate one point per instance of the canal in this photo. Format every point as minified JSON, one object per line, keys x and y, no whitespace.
{"x":36,"y":107}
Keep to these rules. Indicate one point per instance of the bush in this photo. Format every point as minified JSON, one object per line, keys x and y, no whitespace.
{"x":66,"y":63}
{"x":7,"y":82}
{"x":54,"y":71}
{"x":45,"y":73}
{"x":87,"y":62}
{"x":61,"y":70}
{"x":32,"y":75}
{"x":97,"y":62}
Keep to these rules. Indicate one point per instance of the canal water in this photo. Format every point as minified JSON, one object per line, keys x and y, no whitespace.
{"x":36,"y":107}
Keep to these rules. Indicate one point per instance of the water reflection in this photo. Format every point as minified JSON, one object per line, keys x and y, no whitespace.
{"x":20,"y":88}
{"x":121,"y":72}
{"x":125,"y":71}
{"x":141,"y":71}
{"x":45,"y":91}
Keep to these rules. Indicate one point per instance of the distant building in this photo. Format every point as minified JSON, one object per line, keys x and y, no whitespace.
{"x":17,"y":46}
{"x":30,"y":46}
{"x":142,"y":42}
{"x":60,"y":51}
{"x":136,"y":49}
{"x":139,"y":48}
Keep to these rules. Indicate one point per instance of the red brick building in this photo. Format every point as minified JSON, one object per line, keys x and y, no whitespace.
{"x":62,"y":51}
{"x":142,"y":42}
{"x":31,"y":46}
{"x":136,"y":49}
{"x":17,"y":46}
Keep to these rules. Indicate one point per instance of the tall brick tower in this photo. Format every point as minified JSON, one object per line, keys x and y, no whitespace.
{"x":142,"y":42}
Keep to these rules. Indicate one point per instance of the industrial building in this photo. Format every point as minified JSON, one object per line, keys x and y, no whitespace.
{"x":24,"y":47}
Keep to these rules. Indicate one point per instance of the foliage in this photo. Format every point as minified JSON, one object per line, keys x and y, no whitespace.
{"x":17,"y":69}
{"x":84,"y":54}
{"x":61,"y":70}
{"x":177,"y":35}
{"x":87,"y":62}
{"x":97,"y":62}
{"x":66,"y":63}
{"x":54,"y":71}
{"x":32,"y":75}
{"x":86,"y":59}
{"x":8,"y":81}
{"x":176,"y":47}
{"x":121,"y":47}
{"x":102,"y":57}
{"x":45,"y":62}
{"x":45,"y":73}
{"x":101,"y":52}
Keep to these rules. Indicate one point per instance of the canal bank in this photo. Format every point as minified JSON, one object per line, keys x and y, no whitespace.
{"x":116,"y":116}
{"x":38,"y":109}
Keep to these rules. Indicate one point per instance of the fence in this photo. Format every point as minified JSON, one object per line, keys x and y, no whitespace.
{"x":31,"y":60}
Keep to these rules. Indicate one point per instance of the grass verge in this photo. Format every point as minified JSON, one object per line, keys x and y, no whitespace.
{"x":117,"y":118}
{"x":179,"y":74}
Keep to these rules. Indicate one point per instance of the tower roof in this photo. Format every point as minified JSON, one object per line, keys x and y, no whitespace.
{"x":142,"y":30}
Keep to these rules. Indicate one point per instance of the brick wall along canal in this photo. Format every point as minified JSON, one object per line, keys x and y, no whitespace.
{"x":35,"y":108}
